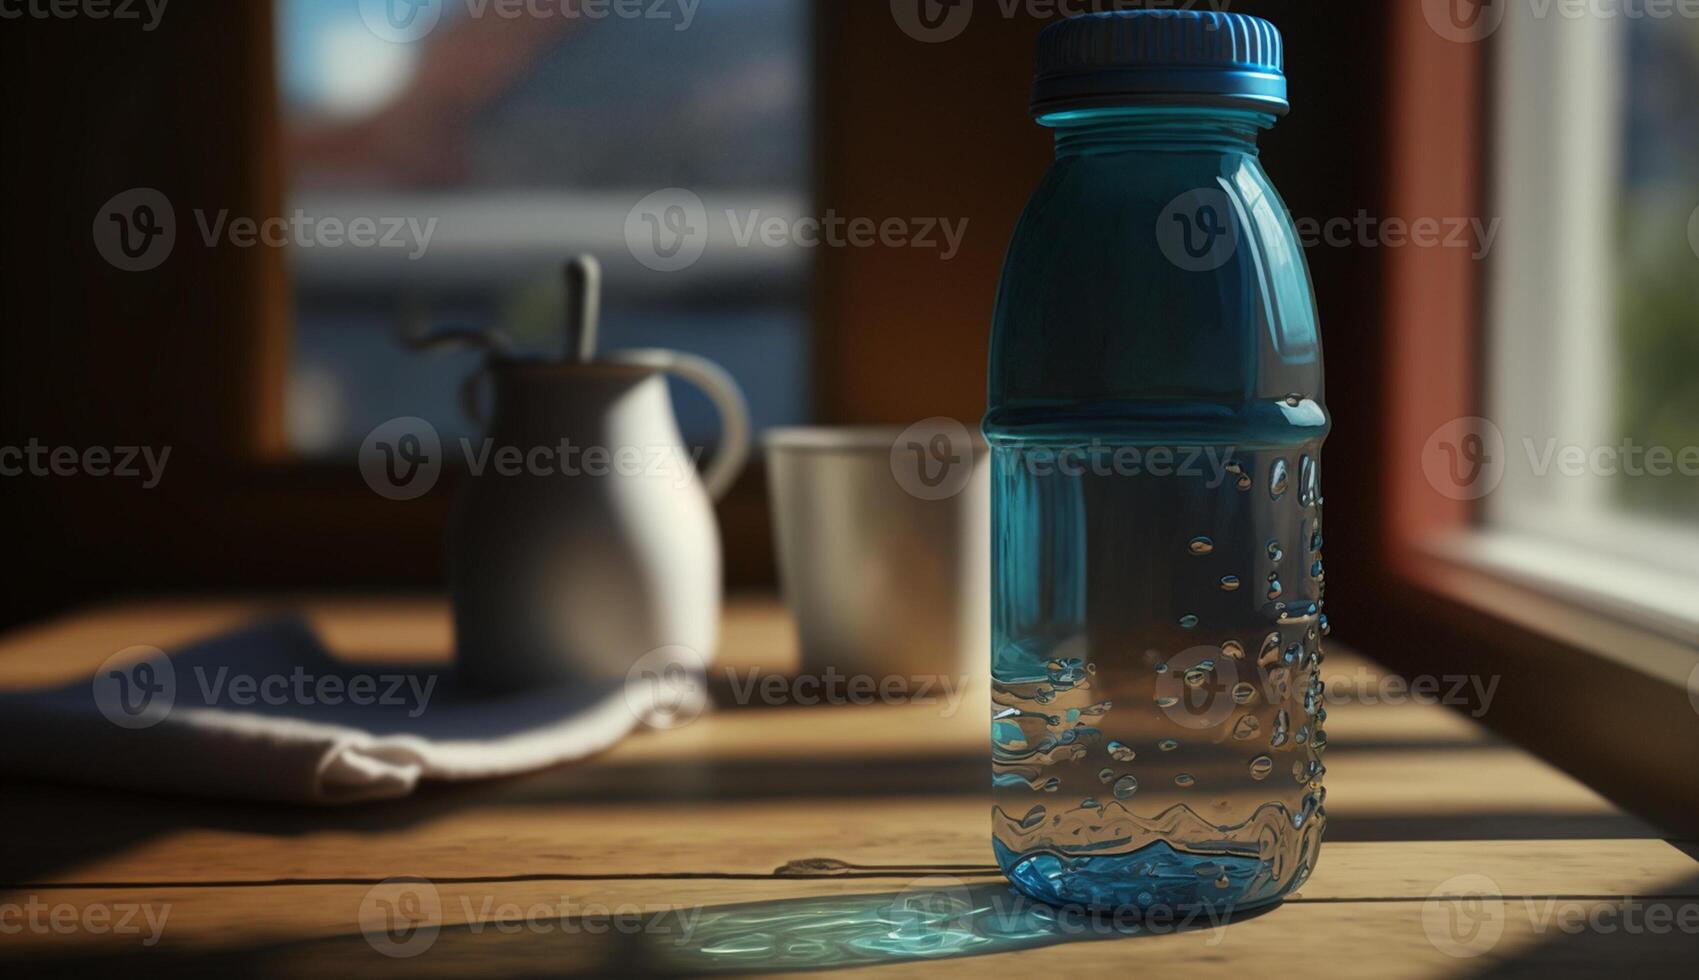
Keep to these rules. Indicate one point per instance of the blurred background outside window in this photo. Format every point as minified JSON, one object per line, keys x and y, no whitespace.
{"x":527,"y":139}
{"x":1593,"y":311}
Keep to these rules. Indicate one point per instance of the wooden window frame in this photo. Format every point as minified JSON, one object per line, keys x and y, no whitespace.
{"x":1604,"y":700}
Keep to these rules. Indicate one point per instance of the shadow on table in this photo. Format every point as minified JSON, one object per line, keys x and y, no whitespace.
{"x":933,"y":919}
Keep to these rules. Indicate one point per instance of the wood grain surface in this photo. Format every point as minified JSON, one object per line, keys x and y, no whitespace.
{"x":773,"y":839}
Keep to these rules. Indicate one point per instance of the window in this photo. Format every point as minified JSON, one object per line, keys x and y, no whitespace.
{"x":1593,"y":312}
{"x":488,"y":143}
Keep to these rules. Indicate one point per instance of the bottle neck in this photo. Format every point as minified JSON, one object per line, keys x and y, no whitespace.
{"x":1159,"y":129}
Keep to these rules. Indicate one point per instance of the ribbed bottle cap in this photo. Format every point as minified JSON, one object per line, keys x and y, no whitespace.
{"x":1160,"y":57}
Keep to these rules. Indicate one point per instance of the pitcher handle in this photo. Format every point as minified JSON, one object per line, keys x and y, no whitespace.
{"x":728,"y":400}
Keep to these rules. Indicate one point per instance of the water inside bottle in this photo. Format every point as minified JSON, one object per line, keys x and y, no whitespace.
{"x":1157,"y":716}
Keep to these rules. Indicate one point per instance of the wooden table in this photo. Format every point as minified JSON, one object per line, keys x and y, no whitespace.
{"x":778,"y":839}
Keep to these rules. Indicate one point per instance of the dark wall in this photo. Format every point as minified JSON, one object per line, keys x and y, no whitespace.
{"x":191,"y":355}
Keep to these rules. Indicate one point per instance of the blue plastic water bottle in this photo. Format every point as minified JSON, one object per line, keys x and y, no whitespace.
{"x":1156,"y":420}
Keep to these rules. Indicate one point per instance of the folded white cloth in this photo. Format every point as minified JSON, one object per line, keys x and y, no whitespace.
{"x":267,"y":714}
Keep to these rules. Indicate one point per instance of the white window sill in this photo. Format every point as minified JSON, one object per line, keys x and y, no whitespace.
{"x":1640,"y":616}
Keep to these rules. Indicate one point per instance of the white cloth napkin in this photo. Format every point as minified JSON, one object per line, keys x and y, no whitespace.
{"x":266,"y":714}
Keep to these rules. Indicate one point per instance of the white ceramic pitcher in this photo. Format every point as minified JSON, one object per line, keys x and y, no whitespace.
{"x":596,"y":543}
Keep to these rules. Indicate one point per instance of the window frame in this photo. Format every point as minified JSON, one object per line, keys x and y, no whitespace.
{"x":1587,"y":691}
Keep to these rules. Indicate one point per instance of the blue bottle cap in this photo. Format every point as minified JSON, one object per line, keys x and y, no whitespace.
{"x":1160,"y":57}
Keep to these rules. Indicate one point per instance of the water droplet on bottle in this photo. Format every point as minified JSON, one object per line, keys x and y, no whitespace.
{"x":1247,"y":728}
{"x":1282,"y":725}
{"x":1033,"y":818}
{"x":1325,"y":628}
{"x":1126,"y":786}
{"x":1244,"y":693}
{"x":1121,"y":753}
{"x":1166,"y":701}
{"x":1275,"y":552}
{"x":1201,"y":546}
{"x":1223,"y":881}
{"x":1277,"y":479}
{"x":1183,"y":780}
{"x":1300,"y":772}
{"x":1261,"y":766}
{"x":1229,"y":583}
{"x":1198,"y":676}
{"x":1294,"y":400}
{"x":1320,"y":741}
{"x":1162,"y":668}
{"x":1168,"y":745}
{"x":1308,"y":489}
{"x":1274,"y":586}
{"x":1270,"y":649}
{"x":1188,"y":621}
{"x":1315,"y":540}
{"x":1241,"y":479}
{"x":1105,"y":774}
{"x":1316,"y":571}
{"x":1233,"y":649}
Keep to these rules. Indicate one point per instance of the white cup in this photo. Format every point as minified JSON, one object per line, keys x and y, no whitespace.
{"x":883,"y":539}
